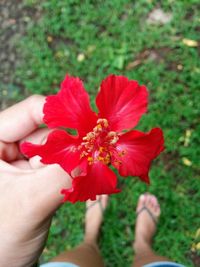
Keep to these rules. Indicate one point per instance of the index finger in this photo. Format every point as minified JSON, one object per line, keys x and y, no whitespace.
{"x":21,"y":119}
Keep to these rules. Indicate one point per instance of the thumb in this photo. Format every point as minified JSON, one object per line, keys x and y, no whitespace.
{"x":46,"y":186}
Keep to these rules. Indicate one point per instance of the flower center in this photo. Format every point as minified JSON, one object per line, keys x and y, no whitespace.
{"x":98,"y":144}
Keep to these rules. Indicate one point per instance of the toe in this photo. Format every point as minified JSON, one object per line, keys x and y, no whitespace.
{"x":148,"y":202}
{"x":155,"y":206}
{"x":141,"y":202}
{"x":100,"y":199}
{"x":104,"y":201}
{"x":152,"y":203}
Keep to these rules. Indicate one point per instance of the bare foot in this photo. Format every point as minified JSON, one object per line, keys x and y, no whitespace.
{"x":94,"y":217}
{"x":148,"y":210}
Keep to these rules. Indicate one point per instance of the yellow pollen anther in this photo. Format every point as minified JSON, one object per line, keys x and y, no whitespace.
{"x":105,"y":160}
{"x":97,"y":129}
{"x":83,"y":154}
{"x":90,"y":135}
{"x":122,"y":153}
{"x":114,"y":140}
{"x":104,"y":122}
{"x":101,"y":149}
{"x":113,"y":137}
{"x":111,"y":133}
{"x":90,"y":160}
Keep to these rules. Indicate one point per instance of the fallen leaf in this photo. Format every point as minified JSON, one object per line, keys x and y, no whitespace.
{"x":190,"y":43}
{"x":80,"y":57}
{"x":198,"y":246}
{"x":49,"y":39}
{"x":179,"y":67}
{"x":188,"y":133}
{"x":133,"y":64}
{"x":197,"y":235}
{"x":186,"y":161}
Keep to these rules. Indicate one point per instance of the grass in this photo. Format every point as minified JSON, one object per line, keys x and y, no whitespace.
{"x":92,"y":39}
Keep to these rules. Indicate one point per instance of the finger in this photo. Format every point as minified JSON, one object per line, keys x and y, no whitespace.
{"x":22,"y":164}
{"x":11,"y":152}
{"x":46,"y":184}
{"x":6,"y":167}
{"x":35,"y":162}
{"x":21,"y":119}
{"x":8,"y":152}
{"x":37,"y":137}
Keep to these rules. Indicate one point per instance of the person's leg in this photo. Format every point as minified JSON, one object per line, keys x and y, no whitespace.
{"x":148,"y":211}
{"x":87,"y":254}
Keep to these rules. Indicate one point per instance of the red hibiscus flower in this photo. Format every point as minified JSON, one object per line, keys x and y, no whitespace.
{"x":101,"y":140}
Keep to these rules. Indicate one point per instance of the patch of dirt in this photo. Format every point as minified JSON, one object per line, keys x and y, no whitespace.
{"x":159,"y":55}
{"x":195,"y":259}
{"x":14,"y":20}
{"x":170,"y":160}
{"x":55,"y":41}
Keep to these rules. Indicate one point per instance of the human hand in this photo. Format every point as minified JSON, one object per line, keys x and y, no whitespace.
{"x":30,"y":191}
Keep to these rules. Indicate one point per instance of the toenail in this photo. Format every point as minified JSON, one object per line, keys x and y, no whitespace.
{"x":142,"y":197}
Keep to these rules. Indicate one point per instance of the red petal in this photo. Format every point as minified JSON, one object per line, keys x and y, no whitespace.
{"x":140,"y":149}
{"x":122,"y":102}
{"x":99,"y":180}
{"x":60,"y":148}
{"x":70,"y":108}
